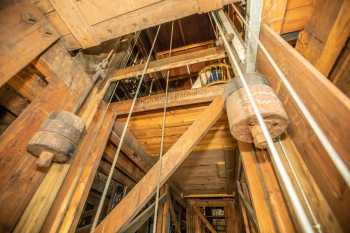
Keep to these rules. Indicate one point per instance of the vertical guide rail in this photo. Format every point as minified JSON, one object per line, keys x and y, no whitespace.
{"x":300,"y":213}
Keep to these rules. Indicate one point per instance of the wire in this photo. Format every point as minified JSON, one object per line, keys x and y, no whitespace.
{"x":299,"y":210}
{"x":336,"y":159}
{"x":162,"y":137}
{"x":103,"y":197}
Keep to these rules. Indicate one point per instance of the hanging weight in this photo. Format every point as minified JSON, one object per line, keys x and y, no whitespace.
{"x":57,"y":139}
{"x":242,"y":120}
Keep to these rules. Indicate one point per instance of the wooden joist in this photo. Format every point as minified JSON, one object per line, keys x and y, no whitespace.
{"x":170,"y":63}
{"x":24,"y":34}
{"x":144,"y":190}
{"x":96,"y":21}
{"x":330,"y":108}
{"x":175,"y":99}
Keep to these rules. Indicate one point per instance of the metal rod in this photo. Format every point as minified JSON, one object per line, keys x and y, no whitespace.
{"x":299,"y":210}
{"x":162,"y":137}
{"x":336,"y":159}
{"x":103,"y":197}
{"x":317,"y":224}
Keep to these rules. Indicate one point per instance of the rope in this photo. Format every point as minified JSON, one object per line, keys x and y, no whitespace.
{"x":299,"y":210}
{"x":336,"y":159}
{"x":103,"y":197}
{"x":162,"y":137}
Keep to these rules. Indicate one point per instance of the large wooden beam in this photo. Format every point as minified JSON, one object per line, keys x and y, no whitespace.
{"x":325,"y":34}
{"x":175,"y":156}
{"x":170,"y":63}
{"x":95,"y":21}
{"x":330,"y":108}
{"x":24,"y":34}
{"x":175,"y":99}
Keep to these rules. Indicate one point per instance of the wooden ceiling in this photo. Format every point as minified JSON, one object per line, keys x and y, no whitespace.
{"x":147,"y":129}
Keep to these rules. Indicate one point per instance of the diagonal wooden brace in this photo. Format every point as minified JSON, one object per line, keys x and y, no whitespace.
{"x":144,"y":190}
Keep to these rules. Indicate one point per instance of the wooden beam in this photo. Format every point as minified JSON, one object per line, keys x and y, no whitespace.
{"x":25,"y":31}
{"x":263,"y":215}
{"x":326,"y":34}
{"x":96,"y":21}
{"x":142,"y":218}
{"x":20,"y":177}
{"x":124,"y":164}
{"x":175,"y":99}
{"x":79,"y":196}
{"x":173,"y":214}
{"x":131,"y":147}
{"x":32,"y":221}
{"x":170,"y":63}
{"x":63,"y":97}
{"x":273,"y":14}
{"x":320,"y":96}
{"x":204,"y":220}
{"x":175,"y":156}
{"x":301,"y":176}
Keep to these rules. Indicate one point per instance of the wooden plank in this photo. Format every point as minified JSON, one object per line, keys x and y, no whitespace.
{"x":273,"y":14}
{"x":123,"y":163}
{"x":260,"y":205}
{"x":175,"y":156}
{"x":118,"y":176}
{"x":94,"y":22}
{"x":71,"y":102}
{"x":28,"y":83}
{"x":11,"y":100}
{"x":131,"y":147}
{"x":330,"y":108}
{"x":274,"y":194}
{"x":142,"y":218}
{"x":57,"y":63}
{"x":75,"y":21}
{"x":20,"y":37}
{"x":340,"y":75}
{"x":326,"y":34}
{"x":204,"y":220}
{"x":175,"y":99}
{"x":77,"y":202}
{"x":170,"y":63}
{"x":301,"y":177}
{"x":19,"y":175}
